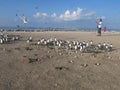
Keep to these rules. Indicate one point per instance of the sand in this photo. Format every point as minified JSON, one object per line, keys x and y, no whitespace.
{"x":59,"y":69}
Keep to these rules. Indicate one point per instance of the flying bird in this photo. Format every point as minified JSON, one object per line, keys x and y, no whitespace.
{"x":24,"y":19}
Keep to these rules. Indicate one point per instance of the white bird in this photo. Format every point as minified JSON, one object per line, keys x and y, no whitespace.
{"x":38,"y":42}
{"x":13,"y":38}
{"x":83,"y":42}
{"x":59,"y":45}
{"x":42,"y":40}
{"x":76,"y":47}
{"x":16,"y":37}
{"x":84,"y":46}
{"x":104,"y":44}
{"x":28,"y":41}
{"x":80,"y":44}
{"x":24,"y":19}
{"x":68,"y":42}
{"x":77,"y":43}
{"x":30,"y":38}
{"x":48,"y":41}
{"x":111,"y":45}
{"x":1,"y":41}
{"x":45,"y":42}
{"x":6,"y":39}
{"x":87,"y":44}
{"x":81,"y":48}
{"x":74,"y":42}
{"x":70,"y":46}
{"x":55,"y":39}
{"x":91,"y":42}
{"x":99,"y":45}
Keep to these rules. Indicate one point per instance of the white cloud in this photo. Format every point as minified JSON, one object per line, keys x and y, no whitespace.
{"x":103,"y":17}
{"x":90,"y":14}
{"x":66,"y":16}
{"x":40,"y":15}
{"x":44,"y":14}
{"x":75,"y":15}
{"x":53,"y":15}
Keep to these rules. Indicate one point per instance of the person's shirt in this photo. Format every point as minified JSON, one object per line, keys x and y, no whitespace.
{"x":99,"y":24}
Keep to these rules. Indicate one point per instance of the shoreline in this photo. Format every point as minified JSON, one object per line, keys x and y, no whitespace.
{"x":67,"y":30}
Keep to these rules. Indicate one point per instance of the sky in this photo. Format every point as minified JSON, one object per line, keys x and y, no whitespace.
{"x":60,"y":13}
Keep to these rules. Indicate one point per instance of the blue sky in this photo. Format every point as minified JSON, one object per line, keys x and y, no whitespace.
{"x":60,"y":13}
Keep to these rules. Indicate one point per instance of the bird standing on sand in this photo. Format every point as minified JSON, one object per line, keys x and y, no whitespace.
{"x":1,"y":41}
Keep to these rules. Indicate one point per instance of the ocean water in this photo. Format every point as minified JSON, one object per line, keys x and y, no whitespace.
{"x":53,"y":29}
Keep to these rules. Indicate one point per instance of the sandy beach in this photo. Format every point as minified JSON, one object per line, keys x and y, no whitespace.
{"x":59,"y":69}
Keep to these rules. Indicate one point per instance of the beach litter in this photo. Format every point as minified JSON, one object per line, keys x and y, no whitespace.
{"x":61,"y":68}
{"x":31,"y":60}
{"x":97,"y":64}
{"x":84,"y":65}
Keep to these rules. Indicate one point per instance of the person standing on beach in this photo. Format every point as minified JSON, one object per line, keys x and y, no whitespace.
{"x":99,"y":26}
{"x":105,"y":28}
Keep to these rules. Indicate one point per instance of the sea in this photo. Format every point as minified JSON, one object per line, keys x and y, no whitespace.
{"x":53,"y":29}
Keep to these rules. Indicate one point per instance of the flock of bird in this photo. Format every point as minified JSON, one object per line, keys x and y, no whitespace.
{"x":5,"y":38}
{"x":84,"y":46}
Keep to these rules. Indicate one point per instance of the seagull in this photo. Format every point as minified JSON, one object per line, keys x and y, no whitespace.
{"x":99,"y":46}
{"x":74,"y":43}
{"x":55,"y":39}
{"x":24,"y":19}
{"x":91,"y":42}
{"x":83,"y":42}
{"x":77,"y":43}
{"x":28,"y":41}
{"x":45,"y":42}
{"x":38,"y":42}
{"x":30,"y":38}
{"x":81,"y":48}
{"x":110,"y":47}
{"x":87,"y":44}
{"x":104,"y":44}
{"x":1,"y":41}
{"x":76,"y":47}
{"x":59,"y":45}
{"x":70,"y":46}
{"x":42,"y":40}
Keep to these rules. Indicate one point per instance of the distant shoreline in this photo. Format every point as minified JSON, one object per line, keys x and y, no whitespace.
{"x":34,"y":30}
{"x":39,"y":29}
